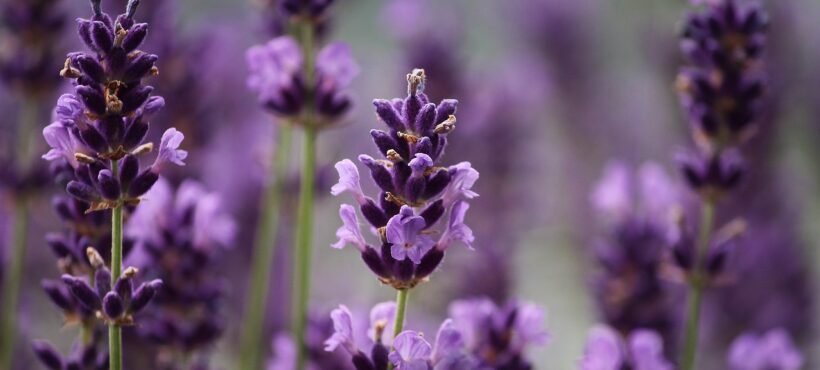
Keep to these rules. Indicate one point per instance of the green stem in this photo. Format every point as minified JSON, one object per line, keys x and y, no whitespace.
{"x":401,"y":308}
{"x":115,"y":331}
{"x":14,"y":265}
{"x":11,"y":283}
{"x":263,"y":253}
{"x":302,"y":253}
{"x":696,"y":286}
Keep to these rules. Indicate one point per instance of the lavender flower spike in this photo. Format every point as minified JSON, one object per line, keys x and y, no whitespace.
{"x":278,"y":77}
{"x":773,"y":350}
{"x":416,"y":190}
{"x":606,"y":350}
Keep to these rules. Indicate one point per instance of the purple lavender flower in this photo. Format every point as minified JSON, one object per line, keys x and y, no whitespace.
{"x":115,"y":302}
{"x":104,"y":122}
{"x":636,"y":209}
{"x":721,"y":89}
{"x":772,"y":350}
{"x":499,"y":336}
{"x":415,"y":191}
{"x":277,"y":76}
{"x":32,"y":31}
{"x":180,"y":239}
{"x":82,"y":357}
{"x":607,"y":350}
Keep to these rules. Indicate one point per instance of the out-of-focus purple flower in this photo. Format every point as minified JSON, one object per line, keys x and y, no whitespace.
{"x":429,"y":37}
{"x":277,"y":75}
{"x":415,"y":191}
{"x":635,"y":208}
{"x":499,"y":336}
{"x":82,"y":357}
{"x":721,"y":90}
{"x":32,"y":31}
{"x":772,"y":350}
{"x":181,"y":237}
{"x":606,"y":350}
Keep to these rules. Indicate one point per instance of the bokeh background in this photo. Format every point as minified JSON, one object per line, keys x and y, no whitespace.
{"x":552,"y":91}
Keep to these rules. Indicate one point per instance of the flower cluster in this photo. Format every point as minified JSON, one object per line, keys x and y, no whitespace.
{"x":498,"y":337}
{"x":28,"y":55}
{"x":607,"y":350}
{"x":480,"y":335}
{"x":415,"y":190}
{"x":278,"y":76}
{"x":179,"y":238}
{"x":99,"y":130}
{"x":115,"y":305}
{"x":772,"y":350}
{"x":82,"y":357}
{"x":629,"y":290}
{"x":721,"y":90}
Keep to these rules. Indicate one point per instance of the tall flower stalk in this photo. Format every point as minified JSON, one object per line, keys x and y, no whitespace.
{"x":100,"y":133}
{"x":416,"y":193}
{"x":31,"y":30}
{"x":720,"y":91}
{"x":304,"y":89}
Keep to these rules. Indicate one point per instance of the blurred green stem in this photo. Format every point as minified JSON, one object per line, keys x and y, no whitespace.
{"x":114,"y":330}
{"x":263,"y":253}
{"x":696,"y":286}
{"x":401,"y":308}
{"x":16,"y":260}
{"x":302,"y":253}
{"x":300,"y":294}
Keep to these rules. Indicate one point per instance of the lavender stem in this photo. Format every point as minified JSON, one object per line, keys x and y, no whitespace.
{"x":114,"y":330}
{"x":301,"y":272}
{"x":401,"y":308}
{"x":11,"y":282}
{"x":696,"y":285}
{"x":263,"y":254}
{"x":303,"y":244}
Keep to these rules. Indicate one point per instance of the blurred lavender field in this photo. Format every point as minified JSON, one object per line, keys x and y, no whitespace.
{"x":599,"y":131}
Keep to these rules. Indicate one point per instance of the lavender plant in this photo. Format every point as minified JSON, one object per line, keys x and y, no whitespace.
{"x":180,"y":239}
{"x":630,"y":290}
{"x":771,"y":350}
{"x":720,"y":92}
{"x":306,"y":90}
{"x":29,"y":39}
{"x":415,"y":193}
{"x":606,"y":349}
{"x":480,"y":335}
{"x":100,"y":133}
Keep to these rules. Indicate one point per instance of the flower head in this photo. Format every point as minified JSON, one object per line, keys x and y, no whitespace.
{"x":771,"y":350}
{"x":416,"y":191}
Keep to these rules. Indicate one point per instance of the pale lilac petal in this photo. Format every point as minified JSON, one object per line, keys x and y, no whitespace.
{"x":382,"y":319}
{"x":349,"y":232}
{"x":456,"y":229}
{"x":335,"y":64}
{"x":529,"y":325}
{"x":463,"y":177}
{"x":411,"y":351}
{"x":646,"y":349}
{"x":169,"y":151}
{"x":343,"y":331}
{"x":449,"y":341}
{"x":613,"y":194}
{"x":348,"y":180}
{"x":604,"y":350}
